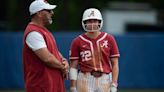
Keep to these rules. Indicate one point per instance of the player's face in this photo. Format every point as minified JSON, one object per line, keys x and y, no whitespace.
{"x":92,"y":24}
{"x":47,"y":16}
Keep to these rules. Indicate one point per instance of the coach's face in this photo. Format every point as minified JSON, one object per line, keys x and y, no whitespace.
{"x":46,"y":16}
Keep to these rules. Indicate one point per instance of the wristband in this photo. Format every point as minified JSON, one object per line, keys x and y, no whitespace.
{"x":73,"y":73}
{"x":115,"y":84}
{"x":73,"y":88}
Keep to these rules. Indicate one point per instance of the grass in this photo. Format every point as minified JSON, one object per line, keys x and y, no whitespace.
{"x":141,"y":90}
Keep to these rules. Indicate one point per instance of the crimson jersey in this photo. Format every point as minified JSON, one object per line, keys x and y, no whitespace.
{"x":94,"y":54}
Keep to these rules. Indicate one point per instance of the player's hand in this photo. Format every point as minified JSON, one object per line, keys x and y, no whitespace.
{"x":73,"y":89}
{"x":113,"y":88}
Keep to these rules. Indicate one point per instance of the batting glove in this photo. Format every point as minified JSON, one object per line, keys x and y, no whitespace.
{"x":73,"y":89}
{"x":113,"y":87}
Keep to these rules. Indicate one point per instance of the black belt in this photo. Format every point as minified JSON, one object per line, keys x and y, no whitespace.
{"x":96,"y":73}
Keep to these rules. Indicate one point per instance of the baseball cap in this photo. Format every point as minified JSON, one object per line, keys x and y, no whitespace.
{"x":39,"y":5}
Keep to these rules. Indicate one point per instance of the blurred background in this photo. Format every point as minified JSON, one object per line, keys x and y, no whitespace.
{"x":137,"y":25}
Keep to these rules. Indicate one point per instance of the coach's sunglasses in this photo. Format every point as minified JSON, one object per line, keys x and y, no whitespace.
{"x":49,"y":11}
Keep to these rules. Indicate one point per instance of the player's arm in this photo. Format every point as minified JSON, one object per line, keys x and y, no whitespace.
{"x":36,"y":42}
{"x":114,"y":60}
{"x":115,"y":73}
{"x":73,"y":74}
{"x":115,"y":69}
{"x":74,"y":60}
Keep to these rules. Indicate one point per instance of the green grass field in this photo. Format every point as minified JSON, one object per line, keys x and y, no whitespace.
{"x":121,"y":90}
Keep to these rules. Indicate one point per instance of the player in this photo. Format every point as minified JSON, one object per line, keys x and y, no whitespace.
{"x":44,"y":67}
{"x":96,"y":54}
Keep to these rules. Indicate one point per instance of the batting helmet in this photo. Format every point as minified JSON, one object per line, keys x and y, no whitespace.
{"x":92,"y":13}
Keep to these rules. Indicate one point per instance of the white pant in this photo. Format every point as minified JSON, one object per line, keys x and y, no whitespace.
{"x":88,"y":83}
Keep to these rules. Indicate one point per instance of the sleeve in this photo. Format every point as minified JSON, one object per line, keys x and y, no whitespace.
{"x":114,"y":52}
{"x":74,"y":50}
{"x":35,"y":41}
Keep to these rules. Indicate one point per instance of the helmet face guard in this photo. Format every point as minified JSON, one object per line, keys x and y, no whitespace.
{"x":89,"y":14}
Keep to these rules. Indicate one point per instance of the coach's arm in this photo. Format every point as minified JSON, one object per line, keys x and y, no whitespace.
{"x":49,"y":59}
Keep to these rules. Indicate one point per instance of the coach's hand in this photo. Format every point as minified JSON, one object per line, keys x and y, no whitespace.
{"x":73,"y":89}
{"x":65,"y":63}
{"x":66,"y":68}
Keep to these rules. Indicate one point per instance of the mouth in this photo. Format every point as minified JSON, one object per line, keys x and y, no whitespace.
{"x":49,"y":17}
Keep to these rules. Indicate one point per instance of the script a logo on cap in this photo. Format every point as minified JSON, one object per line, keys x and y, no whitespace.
{"x":91,"y":14}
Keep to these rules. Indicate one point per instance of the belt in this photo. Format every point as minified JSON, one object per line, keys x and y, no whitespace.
{"x":95,"y":73}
